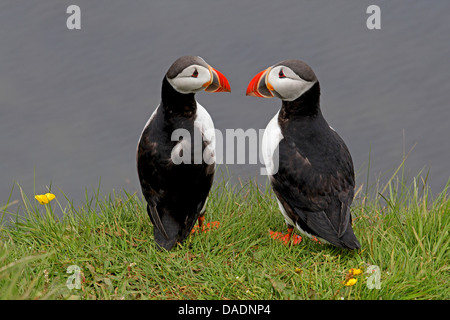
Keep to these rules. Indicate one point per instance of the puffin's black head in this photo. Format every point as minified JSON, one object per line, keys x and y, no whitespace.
{"x":287,"y":80}
{"x":190,"y":74}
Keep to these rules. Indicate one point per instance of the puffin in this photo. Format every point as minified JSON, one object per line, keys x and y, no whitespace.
{"x":309,"y":166}
{"x":176,"y":151}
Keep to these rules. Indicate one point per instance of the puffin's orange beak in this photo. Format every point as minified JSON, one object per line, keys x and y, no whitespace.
{"x":259,"y":86}
{"x":218,"y":82}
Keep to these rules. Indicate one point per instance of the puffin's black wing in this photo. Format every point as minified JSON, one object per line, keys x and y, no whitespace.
{"x":149,"y":161}
{"x":315,"y":184}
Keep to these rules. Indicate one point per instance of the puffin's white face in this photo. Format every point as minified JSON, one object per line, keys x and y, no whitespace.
{"x":192,"y":79}
{"x":286,"y":84}
{"x":287,"y":80}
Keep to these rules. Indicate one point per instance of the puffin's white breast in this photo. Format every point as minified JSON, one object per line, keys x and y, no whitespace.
{"x":271,"y":138}
{"x":203,"y":122}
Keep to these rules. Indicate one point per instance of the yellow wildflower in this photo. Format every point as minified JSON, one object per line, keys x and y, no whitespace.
{"x":355,"y":272}
{"x":44,"y":198}
{"x":350,"y":282}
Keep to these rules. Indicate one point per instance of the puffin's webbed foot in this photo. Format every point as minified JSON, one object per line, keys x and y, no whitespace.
{"x":201,"y":227}
{"x":286,"y":238}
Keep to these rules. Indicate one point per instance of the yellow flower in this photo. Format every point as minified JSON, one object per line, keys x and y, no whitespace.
{"x":350,"y":282}
{"x":355,"y":272}
{"x":44,"y":198}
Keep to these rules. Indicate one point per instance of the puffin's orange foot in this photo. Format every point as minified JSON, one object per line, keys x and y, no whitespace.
{"x":285,"y":238}
{"x":316,"y":240}
{"x":205,"y":228}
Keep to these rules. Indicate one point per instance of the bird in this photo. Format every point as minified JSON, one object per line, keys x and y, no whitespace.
{"x":309,"y":165}
{"x":175,"y":154}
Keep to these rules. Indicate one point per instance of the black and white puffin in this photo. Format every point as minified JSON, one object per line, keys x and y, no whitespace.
{"x":309,"y":165}
{"x":176,"y":190}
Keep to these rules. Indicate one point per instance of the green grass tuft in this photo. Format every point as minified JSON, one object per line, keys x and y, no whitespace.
{"x":402,"y":229}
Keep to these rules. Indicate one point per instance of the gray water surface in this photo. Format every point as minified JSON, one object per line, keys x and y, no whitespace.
{"x":73,"y":102}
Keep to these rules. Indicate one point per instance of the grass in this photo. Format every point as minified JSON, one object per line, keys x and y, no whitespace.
{"x":402,"y":229}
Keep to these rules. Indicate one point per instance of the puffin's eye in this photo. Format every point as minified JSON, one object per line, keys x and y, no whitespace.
{"x":281,"y":74}
{"x":195,"y":74}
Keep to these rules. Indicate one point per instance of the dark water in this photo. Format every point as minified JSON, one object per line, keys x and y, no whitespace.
{"x":73,"y":102}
